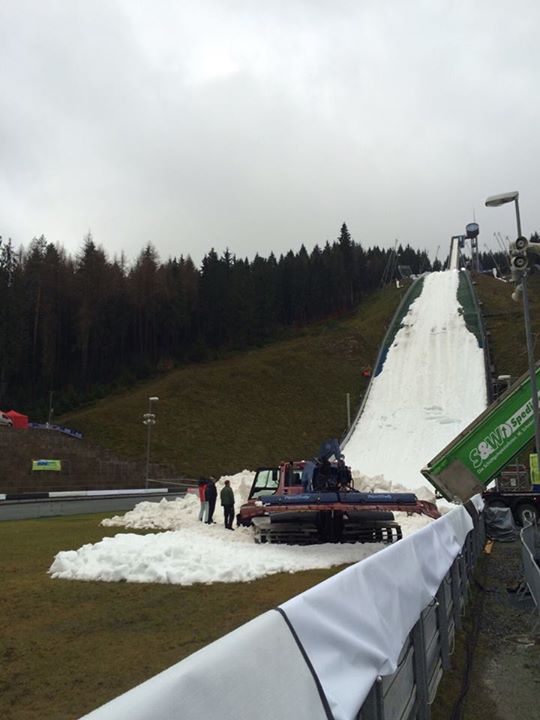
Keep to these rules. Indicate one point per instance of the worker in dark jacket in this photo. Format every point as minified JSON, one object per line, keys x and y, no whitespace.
{"x":227,"y":501}
{"x":210,"y":495}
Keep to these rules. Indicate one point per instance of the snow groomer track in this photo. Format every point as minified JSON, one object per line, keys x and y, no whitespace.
{"x":429,"y":383}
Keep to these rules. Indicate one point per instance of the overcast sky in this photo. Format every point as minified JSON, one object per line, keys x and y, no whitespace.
{"x":259,"y":126}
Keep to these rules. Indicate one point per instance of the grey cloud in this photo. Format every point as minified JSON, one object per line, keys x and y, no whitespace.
{"x":259,"y":128}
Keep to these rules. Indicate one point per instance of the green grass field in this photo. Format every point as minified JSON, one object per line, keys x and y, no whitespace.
{"x":504,"y":320}
{"x":69,"y":646}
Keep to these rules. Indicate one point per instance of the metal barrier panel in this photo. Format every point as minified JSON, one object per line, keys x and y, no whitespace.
{"x":529,"y":538}
{"x":443,"y":624}
{"x":408,"y":693}
{"x":399,"y":689}
{"x":446,"y":589}
{"x":455,"y":584}
{"x":393,"y":697}
{"x":531,"y":570}
{"x":432,"y":649}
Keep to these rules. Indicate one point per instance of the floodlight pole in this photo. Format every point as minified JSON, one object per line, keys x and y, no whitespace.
{"x":149,"y":430}
{"x":149,"y":419}
{"x":530,"y":356}
{"x":51,"y":410}
{"x":495,"y":202}
{"x":518,"y":218}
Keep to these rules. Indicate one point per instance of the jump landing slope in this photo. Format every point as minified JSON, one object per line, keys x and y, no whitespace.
{"x":431,"y":385}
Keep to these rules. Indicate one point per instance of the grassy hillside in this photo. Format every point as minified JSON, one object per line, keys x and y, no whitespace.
{"x":253,"y":408}
{"x":280,"y":401}
{"x":504,"y":320}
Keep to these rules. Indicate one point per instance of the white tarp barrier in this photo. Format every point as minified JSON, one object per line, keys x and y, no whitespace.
{"x":351,"y":628}
{"x":255,"y":671}
{"x":478,"y":502}
{"x":353,"y":625}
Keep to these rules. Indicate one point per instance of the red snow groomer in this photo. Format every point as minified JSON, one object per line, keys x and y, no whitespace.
{"x":306,"y":502}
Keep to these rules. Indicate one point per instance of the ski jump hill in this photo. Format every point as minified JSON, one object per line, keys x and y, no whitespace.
{"x":430,"y":380}
{"x":382,"y":652}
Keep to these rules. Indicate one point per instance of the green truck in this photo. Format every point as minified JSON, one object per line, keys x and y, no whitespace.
{"x":479,"y":453}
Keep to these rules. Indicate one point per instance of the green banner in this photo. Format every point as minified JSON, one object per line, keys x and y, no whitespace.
{"x":54,"y":465}
{"x":490,"y":441}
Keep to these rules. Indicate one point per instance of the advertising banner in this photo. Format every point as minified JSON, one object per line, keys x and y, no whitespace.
{"x":486,"y":445}
{"x":54,"y":465}
{"x":59,"y":428}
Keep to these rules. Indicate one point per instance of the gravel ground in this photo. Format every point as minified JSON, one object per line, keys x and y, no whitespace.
{"x":496,"y":663}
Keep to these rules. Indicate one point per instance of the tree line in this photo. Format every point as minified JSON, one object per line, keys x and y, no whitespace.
{"x":83,"y":325}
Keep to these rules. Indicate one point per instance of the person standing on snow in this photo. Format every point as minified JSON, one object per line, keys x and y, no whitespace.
{"x":203,"y":512}
{"x":210,"y":495}
{"x":227,"y":501}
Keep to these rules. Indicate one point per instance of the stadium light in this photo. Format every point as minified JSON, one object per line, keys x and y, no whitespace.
{"x":520,"y":276}
{"x":149,"y":419}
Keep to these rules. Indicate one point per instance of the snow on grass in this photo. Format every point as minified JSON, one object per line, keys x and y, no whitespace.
{"x":185,"y":557}
{"x":189,"y":551}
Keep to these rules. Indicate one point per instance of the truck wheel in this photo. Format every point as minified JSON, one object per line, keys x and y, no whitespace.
{"x":527,"y":514}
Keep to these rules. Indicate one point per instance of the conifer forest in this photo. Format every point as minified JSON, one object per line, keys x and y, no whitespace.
{"x":83,"y":326}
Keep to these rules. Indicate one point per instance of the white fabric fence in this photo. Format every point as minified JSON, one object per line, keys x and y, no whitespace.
{"x":320,"y":653}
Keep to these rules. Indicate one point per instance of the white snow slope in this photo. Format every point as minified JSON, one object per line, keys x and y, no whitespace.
{"x":432,"y":385}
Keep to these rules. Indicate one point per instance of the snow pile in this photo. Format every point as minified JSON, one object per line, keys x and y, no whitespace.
{"x":192,"y":552}
{"x":164,"y":515}
{"x":432,"y":385}
{"x":185,"y":557}
{"x":181,"y":512}
{"x":378,"y":483}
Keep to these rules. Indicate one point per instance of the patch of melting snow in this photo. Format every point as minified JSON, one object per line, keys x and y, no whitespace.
{"x":187,"y":551}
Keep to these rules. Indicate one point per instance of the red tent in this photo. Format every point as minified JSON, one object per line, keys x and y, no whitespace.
{"x":19,"y":420}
